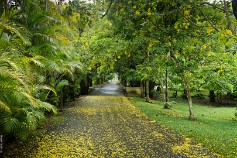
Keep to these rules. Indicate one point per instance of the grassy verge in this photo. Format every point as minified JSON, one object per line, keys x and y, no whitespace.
{"x":214,"y":126}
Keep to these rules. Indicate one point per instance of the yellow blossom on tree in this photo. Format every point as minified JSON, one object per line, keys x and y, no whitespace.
{"x":149,"y":12}
{"x":209,"y":30}
{"x":137,"y":13}
{"x":186,"y":12}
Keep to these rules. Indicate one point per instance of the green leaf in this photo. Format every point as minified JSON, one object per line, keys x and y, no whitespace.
{"x":46,"y":87}
{"x":61,"y":84}
{"x":19,"y":30}
{"x":10,"y":123}
{"x":5,"y":108}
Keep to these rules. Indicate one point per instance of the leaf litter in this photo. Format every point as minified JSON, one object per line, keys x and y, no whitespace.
{"x":110,"y":127}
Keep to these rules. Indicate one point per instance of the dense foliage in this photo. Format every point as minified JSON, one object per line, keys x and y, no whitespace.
{"x":40,"y":60}
{"x":184,"y":45}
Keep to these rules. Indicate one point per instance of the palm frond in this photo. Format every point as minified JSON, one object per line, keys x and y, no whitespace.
{"x":5,"y":108}
{"x":5,"y":37}
{"x":45,"y":49}
{"x":39,"y":115}
{"x":69,"y":71}
{"x":6,"y":83}
{"x":21,"y":112}
{"x":33,"y":101}
{"x":75,"y":65}
{"x":22,"y":131}
{"x":66,"y":68}
{"x":13,"y":75}
{"x":36,"y":60}
{"x":11,"y":80}
{"x":9,"y":124}
{"x":42,"y":21}
{"x":46,"y":87}
{"x":46,"y":37}
{"x":48,"y":107}
{"x":37,"y":104}
{"x":32,"y":121}
{"x":61,"y":84}
{"x":52,"y":65}
{"x":18,"y":30}
{"x":14,"y":99}
{"x":7,"y":62}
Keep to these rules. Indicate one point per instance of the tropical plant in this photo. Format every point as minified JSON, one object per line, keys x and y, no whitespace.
{"x":35,"y":56}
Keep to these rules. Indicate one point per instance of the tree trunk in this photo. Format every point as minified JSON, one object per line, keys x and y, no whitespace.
{"x":175,"y":94}
{"x":229,"y":24}
{"x":190,"y":102}
{"x":212,"y":96}
{"x":184,"y":96}
{"x":151,"y":88}
{"x":166,"y":86}
{"x":89,"y":80}
{"x":84,"y":88}
{"x":162,"y":89}
{"x":219,"y":97}
{"x":142,"y":89}
{"x":46,"y":5}
{"x":147,"y":82}
{"x":147,"y":91}
{"x":61,"y":100}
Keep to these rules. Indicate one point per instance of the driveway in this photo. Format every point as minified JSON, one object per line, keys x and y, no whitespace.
{"x":105,"y":124}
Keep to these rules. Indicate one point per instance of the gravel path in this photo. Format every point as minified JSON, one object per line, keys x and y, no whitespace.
{"x":105,"y":124}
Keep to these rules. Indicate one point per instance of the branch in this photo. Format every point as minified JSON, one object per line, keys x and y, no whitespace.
{"x":214,"y":6}
{"x":207,"y":19}
{"x":110,"y":4}
{"x":188,"y":19}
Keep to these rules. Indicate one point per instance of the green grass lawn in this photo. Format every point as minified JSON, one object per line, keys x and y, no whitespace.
{"x":214,"y":126}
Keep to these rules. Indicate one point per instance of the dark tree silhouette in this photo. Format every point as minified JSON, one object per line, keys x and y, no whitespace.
{"x":234,"y":6}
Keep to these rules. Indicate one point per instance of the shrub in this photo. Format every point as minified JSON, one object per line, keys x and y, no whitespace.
{"x":199,"y":96}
